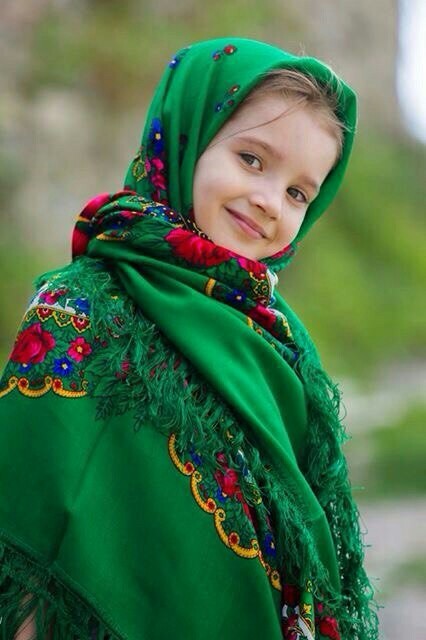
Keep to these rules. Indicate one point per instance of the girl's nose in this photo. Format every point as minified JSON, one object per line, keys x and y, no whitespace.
{"x":269,"y":200}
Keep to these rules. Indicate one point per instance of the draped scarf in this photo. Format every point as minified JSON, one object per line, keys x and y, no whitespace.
{"x":222,"y":313}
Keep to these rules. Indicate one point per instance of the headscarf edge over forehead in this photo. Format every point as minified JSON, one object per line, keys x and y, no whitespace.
{"x":202,"y":87}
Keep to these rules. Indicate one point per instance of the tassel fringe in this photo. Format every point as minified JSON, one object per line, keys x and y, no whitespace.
{"x":39,"y":606}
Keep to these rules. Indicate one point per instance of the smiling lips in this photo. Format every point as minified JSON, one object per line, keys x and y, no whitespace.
{"x":248,"y":225}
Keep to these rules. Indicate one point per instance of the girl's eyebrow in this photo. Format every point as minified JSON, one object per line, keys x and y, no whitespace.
{"x":277,"y":154}
{"x":263,"y":144}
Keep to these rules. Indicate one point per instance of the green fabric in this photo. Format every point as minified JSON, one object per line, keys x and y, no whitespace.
{"x":127,"y":384}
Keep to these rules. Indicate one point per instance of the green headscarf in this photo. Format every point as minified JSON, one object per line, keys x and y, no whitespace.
{"x":156,"y":327}
{"x":197,"y":94}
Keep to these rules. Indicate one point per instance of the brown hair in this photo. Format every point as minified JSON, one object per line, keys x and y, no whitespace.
{"x":305,"y":90}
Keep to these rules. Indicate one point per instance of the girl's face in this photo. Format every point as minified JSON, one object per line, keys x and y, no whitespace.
{"x":254,"y":182}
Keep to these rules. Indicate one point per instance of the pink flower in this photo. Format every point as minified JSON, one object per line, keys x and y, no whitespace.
{"x":50,"y":297}
{"x":32,"y":344}
{"x":157,"y":163}
{"x":196,"y":250}
{"x":79,"y":349}
{"x":158,"y":181}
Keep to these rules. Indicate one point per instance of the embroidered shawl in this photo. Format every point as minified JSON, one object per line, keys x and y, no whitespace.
{"x":169,"y":441}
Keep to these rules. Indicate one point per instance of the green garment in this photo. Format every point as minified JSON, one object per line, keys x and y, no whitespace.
{"x":170,"y":444}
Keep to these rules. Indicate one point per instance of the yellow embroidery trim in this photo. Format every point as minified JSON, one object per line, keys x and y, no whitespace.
{"x":232,"y":539}
{"x":49,"y":384}
{"x":209,"y":286}
{"x":104,"y":236}
{"x":62,"y":318}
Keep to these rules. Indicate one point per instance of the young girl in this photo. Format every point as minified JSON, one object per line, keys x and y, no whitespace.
{"x":170,"y":444}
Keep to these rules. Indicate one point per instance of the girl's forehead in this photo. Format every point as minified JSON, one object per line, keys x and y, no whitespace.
{"x":266,"y":114}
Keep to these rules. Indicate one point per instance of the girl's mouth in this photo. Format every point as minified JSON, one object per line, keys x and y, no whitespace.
{"x":245,"y":223}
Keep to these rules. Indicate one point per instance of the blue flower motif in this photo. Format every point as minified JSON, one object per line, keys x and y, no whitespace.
{"x":196,"y":459}
{"x":220,"y":496}
{"x":236,"y":296}
{"x":82,"y":305}
{"x":24,"y":367}
{"x":156,"y":136}
{"x":269,"y":545}
{"x":63,"y":367}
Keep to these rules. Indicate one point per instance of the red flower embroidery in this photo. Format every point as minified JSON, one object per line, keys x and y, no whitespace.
{"x":94,"y":204}
{"x":158,"y":181}
{"x":50,"y":297}
{"x":258,"y":269}
{"x":228,"y":483}
{"x":80,"y":240}
{"x":328,"y":627}
{"x":79,"y":349}
{"x":290,"y":627}
{"x":196,"y":250}
{"x":264,"y":316}
{"x":158,"y":164}
{"x":291,"y":595}
{"x":32,"y":344}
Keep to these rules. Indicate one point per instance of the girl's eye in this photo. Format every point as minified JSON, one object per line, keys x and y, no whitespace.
{"x":297,"y":194}
{"x":251,"y":160}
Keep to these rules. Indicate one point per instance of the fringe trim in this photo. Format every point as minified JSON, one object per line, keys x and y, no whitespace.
{"x":159,"y":385}
{"x":32,"y":599}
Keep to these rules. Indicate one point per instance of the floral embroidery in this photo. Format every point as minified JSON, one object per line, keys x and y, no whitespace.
{"x":155,"y":161}
{"x":79,"y":349}
{"x":298,"y":613}
{"x":328,"y":627}
{"x":240,"y":282}
{"x":32,"y":345}
{"x":140,"y":166}
{"x":304,"y":620}
{"x":193,"y":249}
{"x":227,"y":100}
{"x":50,"y":351}
{"x":150,"y":162}
{"x":244,"y":528}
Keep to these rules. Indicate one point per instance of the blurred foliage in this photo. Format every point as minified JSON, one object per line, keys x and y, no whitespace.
{"x":360,"y":282}
{"x":113,"y":47}
{"x":390,"y":461}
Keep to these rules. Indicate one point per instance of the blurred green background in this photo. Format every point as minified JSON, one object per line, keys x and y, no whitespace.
{"x":77,"y":77}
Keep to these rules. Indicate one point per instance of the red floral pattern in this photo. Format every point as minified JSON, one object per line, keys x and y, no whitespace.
{"x":264,"y":316}
{"x":79,"y":349}
{"x":328,"y":627}
{"x":196,"y":250}
{"x":291,"y":594}
{"x":32,"y":345}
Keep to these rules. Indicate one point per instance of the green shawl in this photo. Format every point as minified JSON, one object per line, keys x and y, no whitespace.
{"x":169,"y":441}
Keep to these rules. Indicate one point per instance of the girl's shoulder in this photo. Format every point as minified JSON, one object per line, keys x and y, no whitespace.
{"x":74,"y":329}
